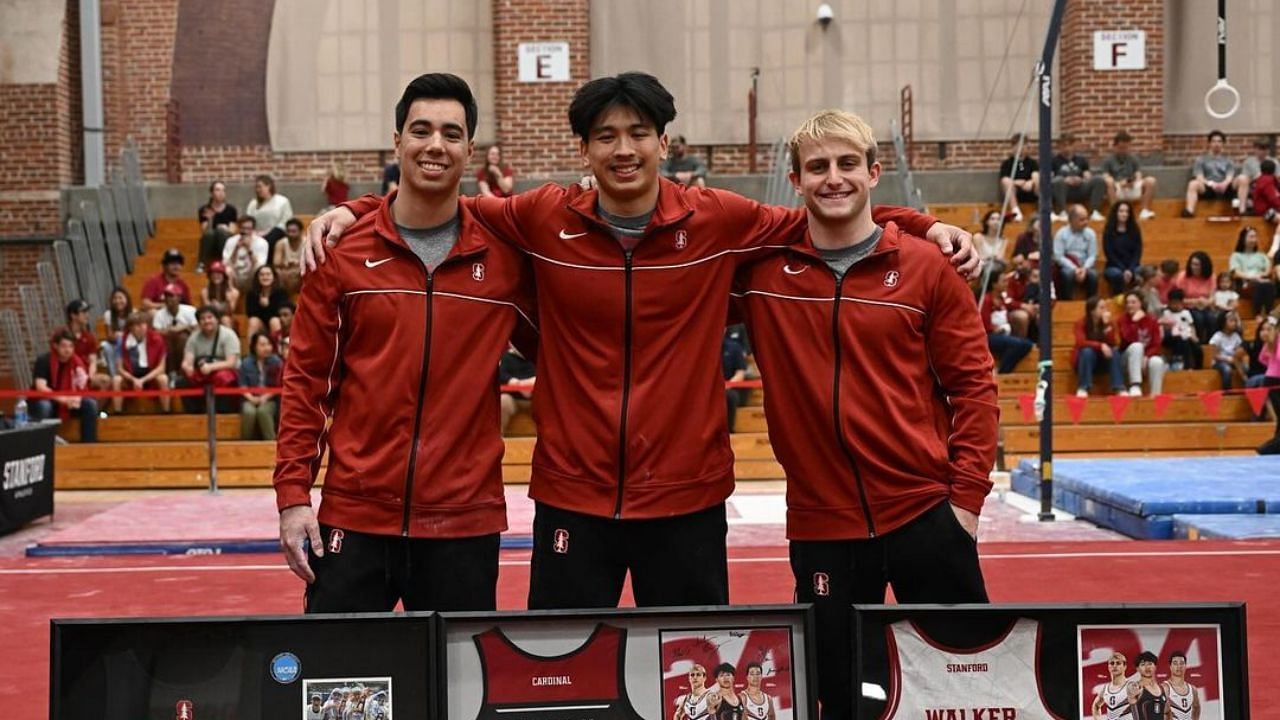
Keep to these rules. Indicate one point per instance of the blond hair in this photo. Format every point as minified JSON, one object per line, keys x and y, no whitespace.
{"x":836,"y":124}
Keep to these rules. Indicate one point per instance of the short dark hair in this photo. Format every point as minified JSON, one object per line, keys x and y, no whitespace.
{"x":248,"y":219}
{"x":289,"y":305}
{"x":210,"y":309}
{"x":1067,"y":138}
{"x":1268,"y":167}
{"x":639,"y":91}
{"x":1177,"y":294}
{"x":293,"y":221}
{"x":1122,"y":136}
{"x":1262,"y":143}
{"x":439,"y":86}
{"x":1179,"y":653}
{"x":753,"y":664}
{"x":64,"y":335}
{"x":1015,"y":138}
{"x":1169,"y":265}
{"x":723,"y":668}
{"x":253,"y":342}
{"x":1146,"y":656}
{"x":1216,"y":133}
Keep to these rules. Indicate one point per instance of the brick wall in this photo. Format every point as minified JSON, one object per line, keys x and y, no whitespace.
{"x":239,"y":163}
{"x":137,"y":67}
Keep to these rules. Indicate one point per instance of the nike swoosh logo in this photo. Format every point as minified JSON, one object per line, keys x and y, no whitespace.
{"x":566,"y":236}
{"x":372,"y":264}
{"x":787,"y":269}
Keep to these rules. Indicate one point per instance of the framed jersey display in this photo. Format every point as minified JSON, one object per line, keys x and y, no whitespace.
{"x":993,"y":662}
{"x":336,"y":667}
{"x":627,"y":664}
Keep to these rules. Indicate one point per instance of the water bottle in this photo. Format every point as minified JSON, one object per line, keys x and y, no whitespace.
{"x":20,"y":413}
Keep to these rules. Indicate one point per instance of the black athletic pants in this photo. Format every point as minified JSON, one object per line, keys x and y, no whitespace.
{"x":931,"y":559}
{"x":370,"y":573}
{"x":581,"y":561}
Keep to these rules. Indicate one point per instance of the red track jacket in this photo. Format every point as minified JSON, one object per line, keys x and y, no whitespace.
{"x":405,"y":365}
{"x":880,"y":404}
{"x":629,"y":403}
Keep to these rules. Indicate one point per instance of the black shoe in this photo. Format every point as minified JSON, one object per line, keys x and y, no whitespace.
{"x":1187,"y":213}
{"x":1270,"y":447}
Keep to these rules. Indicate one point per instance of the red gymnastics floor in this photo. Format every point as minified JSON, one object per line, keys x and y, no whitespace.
{"x":34,"y":590}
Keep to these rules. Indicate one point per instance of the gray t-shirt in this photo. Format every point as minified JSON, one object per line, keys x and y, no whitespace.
{"x":841,"y":259}
{"x":1120,"y":167}
{"x":627,"y":230}
{"x":688,"y":163}
{"x":221,"y":346}
{"x":431,"y":245}
{"x":1252,"y":167}
{"x":1214,"y":168}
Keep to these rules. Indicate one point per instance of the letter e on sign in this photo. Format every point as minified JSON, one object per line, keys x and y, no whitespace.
{"x":543,"y":62}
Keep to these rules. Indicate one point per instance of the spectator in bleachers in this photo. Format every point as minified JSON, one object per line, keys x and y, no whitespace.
{"x":220,"y":293}
{"x":1251,"y":269}
{"x":217,"y":223}
{"x":263,"y":301}
{"x":280,"y":336}
{"x":287,"y":258}
{"x":211,"y":357}
{"x":61,"y":370}
{"x":733,"y":366}
{"x":495,"y":178}
{"x":1023,"y":296}
{"x":1269,"y":355}
{"x":988,"y":241}
{"x":1027,"y":244}
{"x":116,"y":323}
{"x":1140,"y":335}
{"x":1148,"y":288}
{"x":1123,"y":176}
{"x":170,"y":275}
{"x":1229,"y":356}
{"x":515,"y":369}
{"x":1075,"y":251}
{"x":175,"y":320}
{"x":143,"y":353}
{"x":335,"y":188}
{"x":1180,"y":334}
{"x":261,"y":368}
{"x":1225,"y":297}
{"x":1007,"y":347}
{"x":684,"y":167}
{"x":79,"y":326}
{"x":1212,"y":176}
{"x":1256,"y":371}
{"x":245,"y":252}
{"x":1074,"y":182}
{"x":1019,"y":178}
{"x":1197,"y":284}
{"x":269,"y":209}
{"x":1166,"y":280}
{"x":390,"y":177}
{"x":1122,"y":244}
{"x":1097,"y":345}
{"x":1251,"y":167}
{"x":1266,"y":194}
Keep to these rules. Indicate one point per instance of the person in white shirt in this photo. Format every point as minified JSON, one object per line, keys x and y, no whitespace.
{"x":175,"y":321}
{"x":244,"y":253}
{"x":271,"y":209}
{"x":1180,"y":334}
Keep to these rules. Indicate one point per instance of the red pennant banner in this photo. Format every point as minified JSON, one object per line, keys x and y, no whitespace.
{"x":1027,"y":404}
{"x":1162,"y":404}
{"x":1257,"y":398}
{"x":1075,"y":406}
{"x":1119,"y":405}
{"x":1212,"y":401}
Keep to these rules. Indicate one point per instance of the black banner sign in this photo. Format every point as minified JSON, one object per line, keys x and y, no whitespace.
{"x":26,"y":475}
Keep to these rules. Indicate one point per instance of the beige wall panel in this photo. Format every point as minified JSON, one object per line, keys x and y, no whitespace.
{"x":30,"y":41}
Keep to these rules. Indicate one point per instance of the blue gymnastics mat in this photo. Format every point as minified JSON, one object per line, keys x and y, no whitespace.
{"x":1139,"y":497}
{"x":1226,"y":527}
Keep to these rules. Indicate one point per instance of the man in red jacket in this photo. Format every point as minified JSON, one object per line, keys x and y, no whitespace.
{"x":881,"y":404}
{"x":633,"y":462}
{"x":395,"y":348}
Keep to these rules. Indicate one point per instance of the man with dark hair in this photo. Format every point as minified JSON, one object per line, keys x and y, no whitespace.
{"x":245,"y":252}
{"x":80,"y":327}
{"x":1184,"y":700}
{"x":724,"y":701}
{"x":142,"y":352}
{"x":1212,"y":176}
{"x":682,"y":167}
{"x":61,"y":370}
{"x":1073,"y":182}
{"x":633,"y":282}
{"x":170,"y":274}
{"x":1019,"y":177}
{"x":210,"y":358}
{"x":175,"y":321}
{"x":1123,"y":176}
{"x":287,"y":258}
{"x":1266,"y":192}
{"x":1146,"y":696}
{"x":413,"y":500}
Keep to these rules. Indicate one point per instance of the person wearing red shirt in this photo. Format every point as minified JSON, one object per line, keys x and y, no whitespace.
{"x":1141,"y":336}
{"x":80,"y":327}
{"x":142,"y":352}
{"x":61,"y":370}
{"x":171,"y":274}
{"x":881,"y":403}
{"x":1266,"y":193}
{"x":633,"y":281}
{"x":496,"y":178}
{"x":1097,"y":342}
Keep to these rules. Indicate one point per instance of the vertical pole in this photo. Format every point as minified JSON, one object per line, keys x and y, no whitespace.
{"x":751,"y":121}
{"x":1044,"y":73}
{"x":91,"y":92}
{"x":211,"y":412}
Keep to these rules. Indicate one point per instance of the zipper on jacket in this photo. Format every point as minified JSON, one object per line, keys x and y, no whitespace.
{"x":835,"y":407}
{"x":417,"y":416}
{"x":626,"y":384}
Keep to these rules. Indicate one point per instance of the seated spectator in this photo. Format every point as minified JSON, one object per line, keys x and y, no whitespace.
{"x":220,"y":293}
{"x":515,"y":369}
{"x":1023,"y":297}
{"x":142,"y":353}
{"x":287,"y":258}
{"x":1075,"y":252}
{"x":1097,"y":345}
{"x":1166,"y":280}
{"x":683,"y":167}
{"x":1212,"y":176}
{"x":280,"y":336}
{"x":391,"y":177}
{"x":61,"y":370}
{"x":217,"y":223}
{"x":263,"y":301}
{"x":1251,"y":168}
{"x":175,"y":321}
{"x":1197,"y":284}
{"x":1180,"y":334}
{"x":496,"y":178}
{"x":116,"y":322}
{"x":262,"y":368}
{"x":1266,"y":193}
{"x":988,"y":241}
{"x":1124,"y":179}
{"x":1007,"y":348}
{"x":733,"y":366}
{"x":1122,"y":244}
{"x":1230,"y":358}
{"x":1251,"y":269}
{"x":1225,"y":297}
{"x":245,"y":252}
{"x":1270,"y":357}
{"x":1140,"y":336}
{"x":210,"y":358}
{"x":335,"y":188}
{"x":269,"y":209}
{"x":1019,"y":179}
{"x":79,"y":326}
{"x":1149,"y":288}
{"x":1027,"y":245}
{"x":1073,"y":182}
{"x":171,"y":274}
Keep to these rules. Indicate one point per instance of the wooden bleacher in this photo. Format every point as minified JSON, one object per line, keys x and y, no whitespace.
{"x":153,"y":450}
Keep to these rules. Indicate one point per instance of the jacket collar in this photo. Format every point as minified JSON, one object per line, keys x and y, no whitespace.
{"x":673,"y":207}
{"x":890,"y":242}
{"x":471,"y":234}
